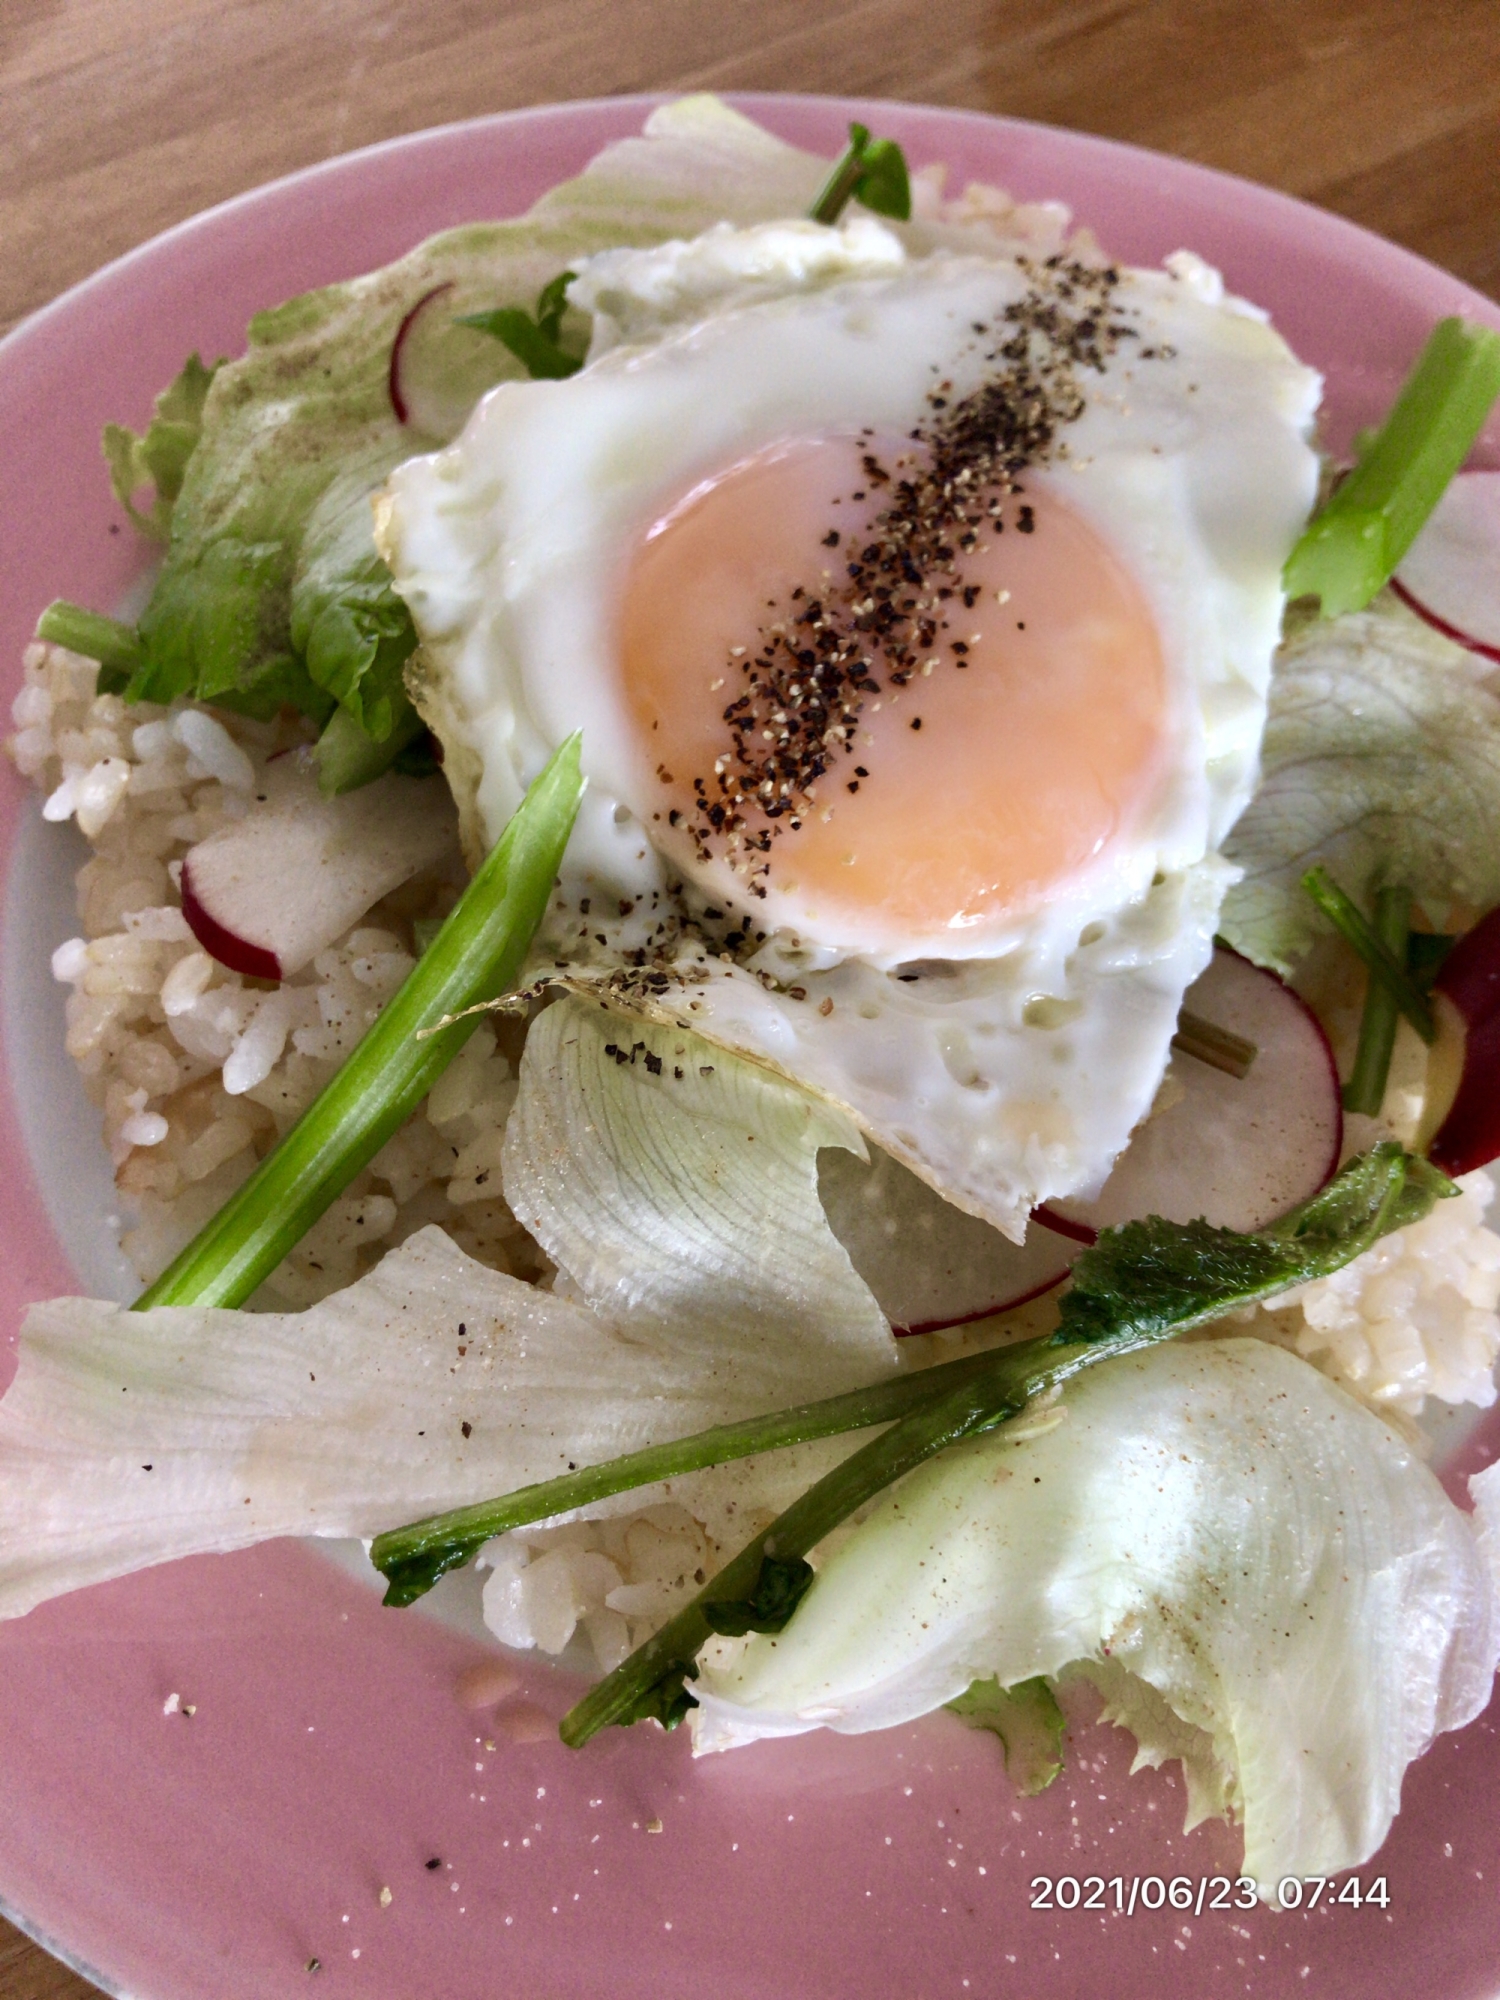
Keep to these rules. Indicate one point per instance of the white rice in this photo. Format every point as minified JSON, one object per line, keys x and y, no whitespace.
{"x":198,"y":1071}
{"x":1413,"y":1317}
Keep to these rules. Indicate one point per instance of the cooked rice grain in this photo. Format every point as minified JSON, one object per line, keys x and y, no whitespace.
{"x":1413,"y":1317}
{"x":198,"y":1071}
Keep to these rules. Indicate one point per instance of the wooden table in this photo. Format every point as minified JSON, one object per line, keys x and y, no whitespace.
{"x":119,"y":117}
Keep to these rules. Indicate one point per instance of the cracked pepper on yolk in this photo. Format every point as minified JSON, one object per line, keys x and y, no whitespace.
{"x":991,"y":784}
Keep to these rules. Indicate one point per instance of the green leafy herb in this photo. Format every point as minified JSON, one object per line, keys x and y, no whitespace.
{"x":872,"y":171}
{"x":1381,"y":964}
{"x":1139,"y":1284}
{"x":778,"y":1590}
{"x":1365,"y":1090}
{"x":626,"y":1695}
{"x":476,"y":956}
{"x":1149,"y":1279}
{"x":533,"y":337}
{"x":159,"y":458}
{"x":1351,"y":548}
{"x":1028,"y":1722}
{"x":667,"y":1700}
{"x":1342,"y":1215}
{"x":413,"y":1558}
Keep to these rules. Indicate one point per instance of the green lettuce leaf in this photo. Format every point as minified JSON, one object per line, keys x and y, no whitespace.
{"x":677,"y":1185}
{"x":1382,"y":760}
{"x":159,"y":457}
{"x":272,"y":589}
{"x":1028,"y":1722}
{"x":1212,"y":1518}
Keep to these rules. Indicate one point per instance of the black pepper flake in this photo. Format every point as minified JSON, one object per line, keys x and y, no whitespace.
{"x":916,"y":722}
{"x":467,"y":1429}
{"x":433,"y":1863}
{"x":831,"y":539}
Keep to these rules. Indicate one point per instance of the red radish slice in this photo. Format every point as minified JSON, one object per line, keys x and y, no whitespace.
{"x":398,"y":347}
{"x":928,"y":1263}
{"x":1469,"y":982}
{"x":439,"y":369}
{"x":1238,"y":1151}
{"x":1451,"y":573}
{"x":266,"y":893}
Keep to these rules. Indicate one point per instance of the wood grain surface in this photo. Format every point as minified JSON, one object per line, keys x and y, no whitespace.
{"x":120,"y":117}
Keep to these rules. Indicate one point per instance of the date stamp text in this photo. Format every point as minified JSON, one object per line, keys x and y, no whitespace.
{"x":1131,"y":1893}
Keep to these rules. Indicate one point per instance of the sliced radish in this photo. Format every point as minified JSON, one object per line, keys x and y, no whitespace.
{"x":928,"y":1263}
{"x":439,"y":369}
{"x":266,"y":893}
{"x":1451,"y":573}
{"x":1468,"y":1050}
{"x":1238,"y":1151}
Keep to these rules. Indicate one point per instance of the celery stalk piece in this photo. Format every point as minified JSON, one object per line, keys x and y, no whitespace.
{"x":115,"y":646}
{"x":1350,"y":549}
{"x":1365,"y":1090}
{"x":475,"y":956}
{"x":1351,"y":924}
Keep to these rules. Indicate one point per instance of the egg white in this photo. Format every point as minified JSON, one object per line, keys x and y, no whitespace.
{"x":1007,"y":1065}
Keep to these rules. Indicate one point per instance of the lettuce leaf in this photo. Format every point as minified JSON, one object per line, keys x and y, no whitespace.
{"x":158,"y":458}
{"x":130,"y":1438}
{"x":1214,"y":1519}
{"x":1028,"y":1723}
{"x":272,"y":589}
{"x":677,"y":1186}
{"x":1382,"y":759}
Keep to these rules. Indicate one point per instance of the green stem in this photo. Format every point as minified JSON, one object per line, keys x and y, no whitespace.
{"x":1352,"y":546}
{"x":1109,"y":1312}
{"x":413,"y":1558}
{"x":973,"y":1406}
{"x":1365,"y":1090}
{"x":1220,"y":1048}
{"x":106,"y":640}
{"x":475,"y":956}
{"x":1351,"y":925}
{"x":848,"y":170}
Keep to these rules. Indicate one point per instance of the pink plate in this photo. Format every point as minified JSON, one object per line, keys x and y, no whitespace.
{"x":328,"y":1756}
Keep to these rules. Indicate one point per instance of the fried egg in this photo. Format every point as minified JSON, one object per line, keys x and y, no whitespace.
{"x":918,"y":615}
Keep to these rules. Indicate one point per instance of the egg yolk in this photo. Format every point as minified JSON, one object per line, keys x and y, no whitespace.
{"x":1025,"y":732}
